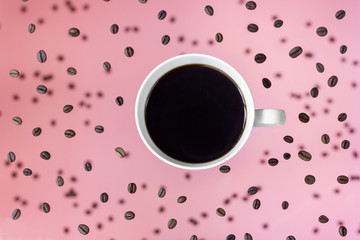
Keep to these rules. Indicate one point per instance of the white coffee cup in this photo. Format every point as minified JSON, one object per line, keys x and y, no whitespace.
{"x":254,"y":117}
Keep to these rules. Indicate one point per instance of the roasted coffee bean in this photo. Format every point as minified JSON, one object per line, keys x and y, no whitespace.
{"x":99,"y":129}
{"x":252,"y":27}
{"x":273,"y":162}
{"x":251,"y":5}
{"x":36,"y":131}
{"x":69,"y":133}
{"x":266,"y":83}
{"x":172,"y":223}
{"x":67,"y":108}
{"x":181,"y":199}
{"x":286,"y":156}
{"x":325,"y":138}
{"x":71,"y":71}
{"x":45,"y":155}
{"x":342,"y":179}
{"x":221,"y":212}
{"x":104,"y":197}
{"x":16,"y":214}
{"x":59,"y":181}
{"x":284,"y":205}
{"x":74,"y":32}
{"x":295,"y":52}
{"x":290,"y":237}
{"x":320,"y":67}
{"x":303,"y":117}
{"x":230,"y":237}
{"x":225,"y":169}
{"x":11,"y":157}
{"x":142,"y":1}
{"x":288,"y":139}
{"x":260,"y":58}
{"x":310,"y":179}
{"x":219,"y":37}
{"x":162,"y":192}
{"x":31,"y":28}
{"x":314,"y":92}
{"x":340,"y":14}
{"x":41,"y":89}
{"x":248,"y":236}
{"x":14,"y":73}
{"x":114,"y":29}
{"x":321,"y":31}
{"x":304,"y":155}
{"x":323,"y":219}
{"x":162,"y":14}
{"x":41,"y":56}
{"x":342,"y":231}
{"x":129,"y":51}
{"x":165,"y":39}
{"x":332,"y":81}
{"x":256,"y":204}
{"x":193,"y":237}
{"x":83,"y":229}
{"x":252,"y":190}
{"x":345,"y":144}
{"x":45,"y":207}
{"x":120,"y":152}
{"x":88,"y":166}
{"x":343,"y":49}
{"x":342,"y":117}
{"x":129,"y":215}
{"x":209,"y":10}
{"x":278,"y":23}
{"x":27,"y":171}
{"x":131,"y":188}
{"x":119,"y":101}
{"x":107,"y":66}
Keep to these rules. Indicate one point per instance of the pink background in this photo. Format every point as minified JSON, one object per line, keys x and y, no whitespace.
{"x":206,"y":190}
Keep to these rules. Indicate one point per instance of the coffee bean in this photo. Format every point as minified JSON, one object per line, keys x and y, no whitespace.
{"x":332,"y":81}
{"x":17,"y":120}
{"x":41,"y":56}
{"x":67,"y":108}
{"x":273,"y":162}
{"x":209,"y":10}
{"x":16,"y":214}
{"x":69,"y":133}
{"x":114,"y":29}
{"x":142,"y":1}
{"x":107,"y":66}
{"x":131,"y":188}
{"x":342,"y":231}
{"x":314,"y":92}
{"x":14,"y":73}
{"x":325,"y":138}
{"x":342,"y":117}
{"x":99,"y":129}
{"x":181,"y":199}
{"x":83,"y":229}
{"x":45,"y":155}
{"x":286,"y":156}
{"x":129,"y":52}
{"x":104,"y":197}
{"x":304,"y":155}
{"x":323,"y":219}
{"x":345,"y":144}
{"x":162,"y":192}
{"x":251,"y":5}
{"x":225,"y":169}
{"x":129,"y":215}
{"x":119,"y":101}
{"x":303,"y":117}
{"x":321,"y":31}
{"x":219,"y":37}
{"x":343,"y":49}
{"x":256,"y":204}
{"x":288,"y":139}
{"x":59,"y":181}
{"x":27,"y":171}
{"x":252,"y":190}
{"x":120,"y":152}
{"x":71,"y":71}
{"x":41,"y":89}
{"x":31,"y":28}
{"x":266,"y":83}
{"x":11,"y":157}
{"x":193,"y":237}
{"x":278,"y":23}
{"x":172,"y":223}
{"x":162,"y":14}
{"x":45,"y":207}
{"x":295,"y":52}
{"x":284,"y":205}
{"x":221,"y":212}
{"x":230,"y":237}
{"x":252,"y":27}
{"x":340,"y":14}
{"x":247,"y":236}
{"x":74,"y":32}
{"x":88,"y":166}
{"x":165,"y":39}
{"x":260,"y":58}
{"x":320,"y":67}
{"x":36,"y":131}
{"x":310,"y":179}
{"x":290,"y":237}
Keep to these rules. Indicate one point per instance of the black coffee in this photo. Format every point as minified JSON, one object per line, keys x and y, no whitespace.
{"x":195,"y":113}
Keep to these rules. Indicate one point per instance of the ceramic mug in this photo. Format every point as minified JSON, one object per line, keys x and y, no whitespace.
{"x":253,"y":117}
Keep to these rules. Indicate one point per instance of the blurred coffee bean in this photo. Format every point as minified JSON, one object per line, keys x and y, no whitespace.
{"x":67,"y":108}
{"x":273,"y":162}
{"x":114,"y":29}
{"x":251,"y":5}
{"x":310,"y":179}
{"x":71,"y":71}
{"x":45,"y":155}
{"x":14,"y":73}
{"x":83,"y":229}
{"x":225,"y":169}
{"x":119,"y":101}
{"x":31,"y":28}
{"x":343,"y":49}
{"x":129,"y":215}
{"x":278,"y":23}
{"x":230,"y":237}
{"x":107,"y":66}
{"x":74,"y":32}
{"x":129,"y":51}
{"x":252,"y":190}
{"x":162,"y":192}
{"x":325,"y":138}
{"x":284,"y":205}
{"x":59,"y":181}
{"x":321,"y":31}
{"x":248,"y":236}
{"x":290,"y":237}
{"x":340,"y":14}
{"x":181,"y":199}
{"x":342,"y":231}
{"x":99,"y":129}
{"x":286,"y":156}
{"x":27,"y":171}
{"x":165,"y":39}
{"x":16,"y":214}
{"x":219,"y":37}
{"x":320,"y":67}
{"x":209,"y":10}
{"x":45,"y":207}
{"x":11,"y":157}
{"x":41,"y":89}
{"x":172,"y":223}
{"x":131,"y":188}
{"x":88,"y":166}
{"x":69,"y":133}
{"x":266,"y":83}
{"x":221,"y":212}
{"x":120,"y":152}
{"x":314,"y":92}
{"x":104,"y":197}
{"x":162,"y":14}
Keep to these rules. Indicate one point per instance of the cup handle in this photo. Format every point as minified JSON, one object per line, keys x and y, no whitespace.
{"x":269,"y":117}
